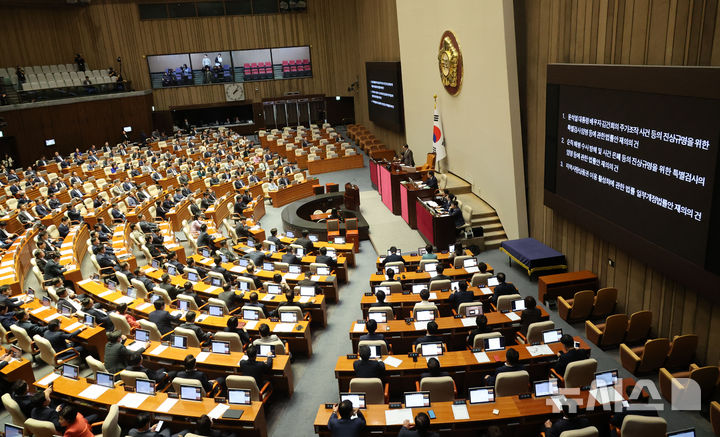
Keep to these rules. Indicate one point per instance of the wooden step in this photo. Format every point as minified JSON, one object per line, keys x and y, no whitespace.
{"x":457,"y":185}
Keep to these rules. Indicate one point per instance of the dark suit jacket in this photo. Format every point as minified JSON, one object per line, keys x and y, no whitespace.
{"x":369,"y":369}
{"x":116,"y":355}
{"x":256,"y":369}
{"x":324,"y":259}
{"x":58,"y":339}
{"x":199,"y":333}
{"x":429,"y":339}
{"x":206,"y":240}
{"x":305,"y":243}
{"x":290,"y":259}
{"x":564,"y":424}
{"x":200,"y":376}
{"x":392,"y":258}
{"x":9,"y":302}
{"x":346,"y":427}
{"x":502,"y":369}
{"x":503,"y":289}
{"x":163,"y":320}
{"x":47,"y":414}
{"x":53,"y":270}
{"x":529,"y":316}
{"x":461,"y":297}
{"x":567,"y":358}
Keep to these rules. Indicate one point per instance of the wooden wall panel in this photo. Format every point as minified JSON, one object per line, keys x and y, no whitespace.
{"x":667,"y":32}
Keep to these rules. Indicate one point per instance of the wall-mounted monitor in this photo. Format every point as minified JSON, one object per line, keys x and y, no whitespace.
{"x":384,"y":91}
{"x":291,"y":62}
{"x":211,"y":67}
{"x":252,"y":65}
{"x":170,"y":70}
{"x":50,"y":142}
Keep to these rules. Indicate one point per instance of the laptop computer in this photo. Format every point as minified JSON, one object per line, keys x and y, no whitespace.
{"x":416,"y":399}
{"x":294,"y":269}
{"x":268,"y":266}
{"x":494,"y":344}
{"x":492,"y":281}
{"x":356,"y":399}
{"x":274,"y":289}
{"x":145,"y":386}
{"x":683,"y":433}
{"x":89,"y":320}
{"x":518,"y":305}
{"x":111,"y":285}
{"x":242,"y":262}
{"x":424,"y":315}
{"x":142,"y":335}
{"x":215,"y":310}
{"x":431,"y":349}
{"x":220,"y":347}
{"x":288,"y":317}
{"x":331,"y":253}
{"x":422,"y":251}
{"x":339,"y":240}
{"x":375,"y":352}
{"x":471,"y":265}
{"x":455,"y":286}
{"x":307,"y":290}
{"x":216,"y":282}
{"x":430,"y":267}
{"x":192,"y":277}
{"x":547,"y":387}
{"x":244,"y":286}
{"x":266,"y":350}
{"x":481,"y":395}
{"x":179,"y":341}
{"x":378,"y":316}
{"x":290,"y":234}
{"x":607,"y":378}
{"x":45,"y":301}
{"x":13,"y":431}
{"x":552,"y":335}
{"x":190,"y":393}
{"x":70,"y":371}
{"x":183,"y":305}
{"x":272,"y":248}
{"x":323,"y":271}
{"x":239,"y":396}
{"x":473,"y":310}
{"x":384,"y":288}
{"x":417,"y":288}
{"x":66,"y":310}
{"x":299,"y":252}
{"x":131,"y":292}
{"x":105,"y":379}
{"x":172,"y":270}
{"x":250,"y":314}
{"x":205,"y":253}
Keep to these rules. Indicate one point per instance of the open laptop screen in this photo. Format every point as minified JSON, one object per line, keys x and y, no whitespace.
{"x":552,"y":335}
{"x":307,"y":290}
{"x":142,"y":335}
{"x":145,"y":386}
{"x":70,"y":371}
{"x":105,"y":379}
{"x":431,"y":349}
{"x":215,"y":310}
{"x":417,"y":399}
{"x":190,"y":393}
{"x":425,"y":315}
{"x":356,"y":399}
{"x":288,"y":317}
{"x":13,"y":431}
{"x":179,"y":341}
{"x":683,"y":433}
{"x":518,"y":305}
{"x":378,"y":316}
{"x":417,"y":288}
{"x":494,"y":344}
{"x":481,"y":395}
{"x":220,"y":347}
{"x":238,"y":396}
{"x":606,"y":379}
{"x":250,"y":314}
{"x":546,"y":388}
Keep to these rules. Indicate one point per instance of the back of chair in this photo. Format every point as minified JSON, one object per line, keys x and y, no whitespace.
{"x":504,"y":303}
{"x":441,"y":284}
{"x":589,"y":431}
{"x":682,"y":351}
{"x":110,"y":427}
{"x":372,"y":387}
{"x":643,"y":426}
{"x":381,"y":343}
{"x":18,"y":418}
{"x":512,"y":383}
{"x":23,"y":339}
{"x":250,"y":283}
{"x":120,"y":323}
{"x":706,"y":377}
{"x":163,"y":294}
{"x":192,"y":339}
{"x":40,"y":428}
{"x":441,"y":388}
{"x":638,"y":326}
{"x":479,"y":340}
{"x":480,"y":279}
{"x":314,"y":266}
{"x":605,"y":301}
{"x":654,"y":354}
{"x":128,"y":377}
{"x":462,"y":308}
{"x":395,"y":286}
{"x":47,"y":353}
{"x":333,"y":225}
{"x":580,"y":373}
{"x":279,"y":345}
{"x":291,"y":309}
{"x":244,"y":382}
{"x":123,"y":281}
{"x":192,"y":305}
{"x":389,"y":314}
{"x":459,"y":260}
{"x":582,"y":305}
{"x":351,"y":224}
{"x":152,"y":328}
{"x":231,"y":337}
{"x":715,"y":416}
{"x":95,"y":365}
{"x":535,"y":330}
{"x":397,"y":266}
{"x":140,"y":289}
{"x":219,"y":302}
{"x":615,"y":328}
{"x":177,"y":382}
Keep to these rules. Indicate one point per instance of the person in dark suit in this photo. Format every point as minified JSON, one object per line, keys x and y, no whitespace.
{"x":305,"y":242}
{"x":380,"y":296}
{"x":43,"y":410}
{"x":218,"y":268}
{"x":167,"y":286}
{"x":53,"y":269}
{"x":274,"y":238}
{"x":101,"y":318}
{"x":163,"y":319}
{"x":31,"y":328}
{"x":367,"y":368}
{"x":461,"y":296}
{"x":144,"y":428}
{"x":431,"y":336}
{"x":456,"y":214}
{"x":503,"y":288}
{"x":570,"y":355}
{"x":512,"y":364}
{"x":254,"y":302}
{"x":481,"y":328}
{"x":135,"y":365}
{"x":434,"y":369}
{"x":431,"y":180}
{"x":232,"y":300}
{"x":290,"y":258}
{"x":204,"y":239}
{"x":530,"y":314}
{"x":257,"y":369}
{"x":393,"y":257}
{"x":201,"y":335}
{"x":64,"y":228}
{"x":6,"y":300}
{"x":116,"y":213}
{"x":421,"y":428}
{"x":19,"y":393}
{"x":407,"y":156}
{"x":190,"y":372}
{"x":569,"y":421}
{"x":345,"y":425}
{"x":60,"y":340}
{"x":323,"y":258}
{"x":116,"y":354}
{"x":371,"y":326}
{"x":232,"y":326}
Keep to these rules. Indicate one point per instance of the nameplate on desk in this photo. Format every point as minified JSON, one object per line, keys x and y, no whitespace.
{"x":525,"y":396}
{"x":368,"y":293}
{"x":351,"y":356}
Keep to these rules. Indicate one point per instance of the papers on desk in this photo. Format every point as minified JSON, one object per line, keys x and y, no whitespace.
{"x":38,"y":310}
{"x":268,"y":297}
{"x":201,"y":317}
{"x":315,"y":278}
{"x":392,"y":361}
{"x":284,"y":327}
{"x":143,"y":306}
{"x":84,"y":281}
{"x":421,"y":326}
{"x":512,"y":316}
{"x":136,"y":346}
{"x":106,"y":293}
{"x":431,"y":203}
{"x":397,"y":417}
{"x":486,"y":290}
{"x":304,"y":299}
{"x":202,"y":356}
{"x":473,"y":269}
{"x":6,"y":270}
{"x":176,"y":313}
{"x":94,"y":391}
{"x":237,"y":269}
{"x":124,"y":299}
{"x":218,"y":411}
{"x":213,"y":289}
{"x":460,"y":412}
{"x":66,"y":252}
{"x":48,"y":379}
{"x":606,"y":395}
{"x":558,"y":401}
{"x":132,"y":400}
{"x":482,"y":357}
{"x":52,"y":317}
{"x":359,"y":327}
{"x":166,"y":405}
{"x":158,"y":350}
{"x":292,"y":276}
{"x":251,"y":324}
{"x":206,"y":261}
{"x":468,"y":322}
{"x":433,"y":296}
{"x":541,"y":349}
{"x":74,"y":326}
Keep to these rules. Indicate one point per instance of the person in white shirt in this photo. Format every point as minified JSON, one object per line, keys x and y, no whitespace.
{"x":205,"y":61}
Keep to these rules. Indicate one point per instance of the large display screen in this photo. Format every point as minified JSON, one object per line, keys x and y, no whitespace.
{"x":636,"y":163}
{"x":384,"y":90}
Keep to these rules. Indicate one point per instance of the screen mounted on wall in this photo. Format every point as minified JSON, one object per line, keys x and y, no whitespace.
{"x":384,"y":90}
{"x":632,"y":154}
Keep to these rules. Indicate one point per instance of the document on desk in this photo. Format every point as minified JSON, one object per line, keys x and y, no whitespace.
{"x":512,"y":316}
{"x":132,"y":400}
{"x":292,"y":276}
{"x":202,"y":356}
{"x":143,"y":306}
{"x":106,"y":293}
{"x":606,"y":395}
{"x":124,"y":300}
{"x":304,"y":299}
{"x":94,"y":391}
{"x":166,"y":405}
{"x":48,"y":379}
{"x":136,"y":346}
{"x":237,"y":269}
{"x":212,"y":289}
{"x":251,"y":324}
{"x":359,"y":327}
{"x":38,"y":310}
{"x":52,"y":317}
{"x":315,"y":278}
{"x":468,"y":322}
{"x":541,"y":349}
{"x":158,"y":350}
{"x":73,"y":327}
{"x":460,"y":412}
{"x":284,"y":327}
{"x":268,"y":297}
{"x":201,"y":317}
{"x":482,"y":357}
{"x":421,"y":326}
{"x":397,"y":417}
{"x":433,"y":296}
{"x":392,"y":361}
{"x":218,"y":411}
{"x":486,"y":290}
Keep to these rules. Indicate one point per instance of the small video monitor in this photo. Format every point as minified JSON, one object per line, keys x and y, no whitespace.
{"x":339,"y":240}
{"x":205,"y":253}
{"x":313,"y":238}
{"x":518,"y":305}
{"x":89,"y":320}
{"x":424,"y":315}
{"x":274,"y":289}
{"x":494,"y":344}
{"x":481,"y":395}
{"x":142,"y":335}
{"x":155,"y":264}
{"x":607,"y":378}
{"x":331,"y":253}
{"x":145,"y":386}
{"x":473,"y":310}
{"x":243,"y":262}
{"x":105,"y":379}
{"x":294,"y":269}
{"x":384,"y":288}
{"x":244,"y":286}
{"x":45,"y":301}
{"x":266,"y":350}
{"x":250,"y":314}
{"x":66,"y":310}
{"x":323,"y":271}
{"x":223,"y":258}
{"x":492,"y":281}
{"x":30,"y":293}
{"x":220,"y":347}
{"x":70,"y":371}
{"x":268,"y":266}
{"x":272,"y":248}
{"x":378,"y":316}
{"x":683,"y":433}
{"x":299,"y":251}
{"x":131,"y":292}
{"x":192,"y":277}
{"x":417,"y":288}
{"x":179,"y":341}
{"x":290,"y":234}
{"x":552,"y":336}
{"x":455,"y":286}
{"x":470,"y":262}
{"x":250,"y":242}
{"x":307,"y":290}
{"x":154,"y":297}
{"x":431,"y":349}
{"x":375,"y":352}
{"x":417,"y":399}
{"x":422,"y":251}
{"x":356,"y":399}
{"x":190,"y":393}
{"x":13,"y":431}
{"x":172,"y":270}
{"x":288,"y":317}
{"x":430,"y":267}
{"x":239,"y":396}
{"x":216,"y":282}
{"x":215,"y":310}
{"x":50,"y":142}
{"x":546,"y":388}
{"x":183,"y":305}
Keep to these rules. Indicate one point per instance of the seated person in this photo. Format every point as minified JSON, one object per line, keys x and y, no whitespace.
{"x":434,"y":369}
{"x":512,"y":364}
{"x":257,"y":369}
{"x":367,"y":368}
{"x":116,"y":354}
{"x":503,"y":288}
{"x":380,"y":296}
{"x":42,"y":409}
{"x":232,"y":326}
{"x":191,"y":372}
{"x":441,"y":274}
{"x":429,"y":253}
{"x":571,"y":354}
{"x":75,"y":424}
{"x":254,"y":302}
{"x":144,"y":428}
{"x":393,"y":257}
{"x":232,"y":300}
{"x":530,"y":314}
{"x":461,"y":296}
{"x":345,"y":425}
{"x":431,"y":336}
{"x":424,"y":303}
{"x":101,"y":318}
{"x":201,"y":335}
{"x":421,"y":428}
{"x":482,"y":328}
{"x":135,"y":361}
{"x":323,"y":258}
{"x":431,"y":180}
{"x":569,"y":421}
{"x":60,"y":341}
{"x":19,"y":393}
{"x":218,"y":268}
{"x":265,"y":336}
{"x":371,"y":326}
{"x":162,"y":318}
{"x":122,"y":310}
